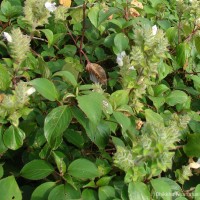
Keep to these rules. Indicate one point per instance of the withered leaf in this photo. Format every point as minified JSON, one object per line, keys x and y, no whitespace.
{"x":66,"y":3}
{"x":97,"y":73}
{"x":1,"y":97}
{"x":137,"y":4}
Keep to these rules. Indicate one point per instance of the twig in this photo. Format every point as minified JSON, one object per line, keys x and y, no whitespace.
{"x":83,"y":32}
{"x":188,"y":38}
{"x":78,"y":47}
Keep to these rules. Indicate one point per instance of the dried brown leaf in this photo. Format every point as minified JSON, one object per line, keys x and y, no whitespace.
{"x":97,"y":73}
{"x":137,"y":4}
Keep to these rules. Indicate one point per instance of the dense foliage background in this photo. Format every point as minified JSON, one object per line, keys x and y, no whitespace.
{"x":99,"y":99}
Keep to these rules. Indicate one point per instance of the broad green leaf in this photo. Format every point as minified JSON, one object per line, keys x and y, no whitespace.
{"x":13,"y":137}
{"x":99,"y":134}
{"x":3,"y":148}
{"x":117,"y":141}
{"x":42,"y":191}
{"x":164,"y":24}
{"x":154,"y":3}
{"x":197,"y":43}
{"x":89,"y":194}
{"x":176,"y":189}
{"x":4,"y":78}
{"x":181,"y":198}
{"x":192,"y":148}
{"x":67,"y":76}
{"x":119,"y":98}
{"x":83,"y":169}
{"x":176,"y":97}
{"x":59,"y":158}
{"x":182,"y":54}
{"x":56,"y":123}
{"x":104,"y":181}
{"x":64,"y":192}
{"x":93,"y":15}
{"x":46,"y":88}
{"x":103,"y":15}
{"x":49,"y":35}
{"x":36,"y":170}
{"x":123,"y":120}
{"x":121,"y":42}
{"x":153,"y":117}
{"x":171,"y":34}
{"x":196,"y":81}
{"x":197,"y":192}
{"x":157,"y":101}
{"x":106,"y":193}
{"x":74,"y":138}
{"x":9,"y":189}
{"x":138,"y":190}
{"x":160,"y":89}
{"x":92,"y":106}
{"x":161,"y":188}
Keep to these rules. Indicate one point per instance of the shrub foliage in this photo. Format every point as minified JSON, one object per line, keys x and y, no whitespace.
{"x":99,"y":99}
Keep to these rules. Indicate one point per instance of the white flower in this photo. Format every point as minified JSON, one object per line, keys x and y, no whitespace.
{"x":194,"y":165}
{"x":120,"y":57}
{"x":154,"y":30}
{"x":30,"y":91}
{"x":132,"y":68}
{"x":50,"y":6}
{"x":7,"y":36}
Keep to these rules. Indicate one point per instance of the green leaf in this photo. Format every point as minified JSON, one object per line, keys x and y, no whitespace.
{"x":49,"y":35}
{"x":153,"y":117}
{"x":160,"y":89}
{"x":36,"y":170}
{"x":4,"y":78}
{"x":119,"y":98}
{"x":93,"y":15}
{"x":89,"y":194}
{"x":157,"y":101}
{"x":83,"y":169}
{"x":176,"y":97}
{"x":99,"y":134}
{"x":121,"y":42}
{"x":106,"y":193}
{"x":123,"y":120}
{"x":74,"y":138}
{"x":67,"y":76}
{"x":46,"y":88}
{"x":182,"y":54}
{"x":92,"y":106}
{"x":161,"y":188}
{"x":9,"y":189}
{"x":64,"y":192}
{"x":103,"y":15}
{"x":171,"y":34}
{"x":3,"y":148}
{"x":55,"y":124}
{"x":104,"y":181}
{"x":42,"y":191}
{"x":13,"y":137}
{"x":197,"y":192}
{"x":196,"y":81}
{"x":59,"y":158}
{"x":197,"y":43}
{"x":192,"y":148}
{"x":138,"y":190}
